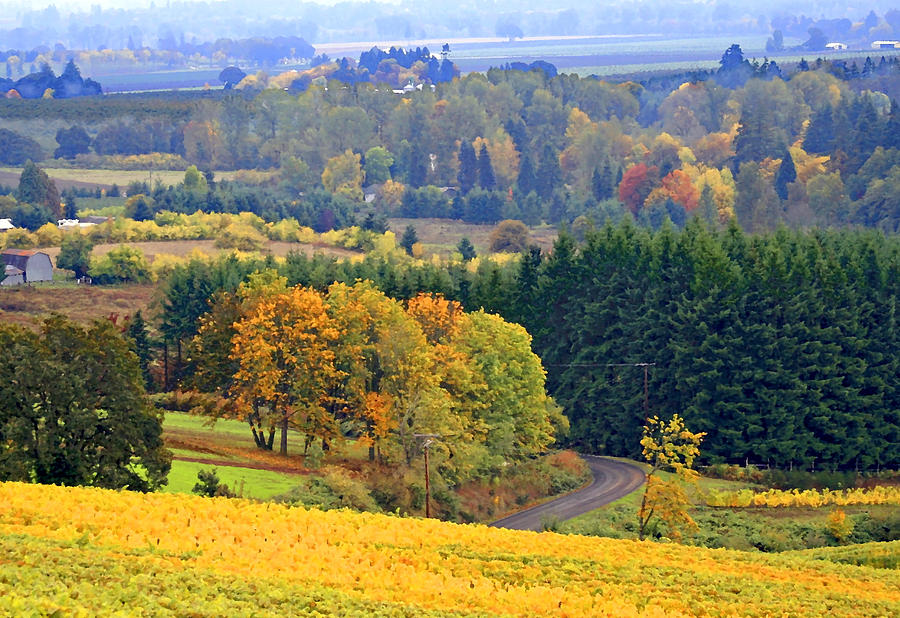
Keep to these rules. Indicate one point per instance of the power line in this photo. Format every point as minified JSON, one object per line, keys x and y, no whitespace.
{"x":600,"y":365}
{"x":646,"y":367}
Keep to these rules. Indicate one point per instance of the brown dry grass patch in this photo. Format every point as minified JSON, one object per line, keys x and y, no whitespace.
{"x":441,"y":236}
{"x":183,"y":248}
{"x":27,"y":304}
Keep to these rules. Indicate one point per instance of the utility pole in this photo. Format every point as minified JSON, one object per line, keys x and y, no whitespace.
{"x":646,"y":392}
{"x":429,"y":440}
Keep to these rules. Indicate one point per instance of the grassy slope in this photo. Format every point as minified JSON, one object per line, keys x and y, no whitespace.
{"x":227,"y":446}
{"x":82,"y":303}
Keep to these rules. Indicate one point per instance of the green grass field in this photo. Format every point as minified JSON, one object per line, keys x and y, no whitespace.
{"x":232,"y":468}
{"x":245,"y":482}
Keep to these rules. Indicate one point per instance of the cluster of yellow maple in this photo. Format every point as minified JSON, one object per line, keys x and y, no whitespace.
{"x":420,"y":565}
{"x":352,"y":361}
{"x":808,"y":498}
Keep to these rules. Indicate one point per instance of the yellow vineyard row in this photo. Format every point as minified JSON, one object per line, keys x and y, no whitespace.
{"x":415,"y":566}
{"x":809,"y":497}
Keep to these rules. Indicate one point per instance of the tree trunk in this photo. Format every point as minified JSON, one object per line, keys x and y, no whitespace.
{"x":284,"y":430}
{"x":166,"y":365}
{"x":178,"y":369}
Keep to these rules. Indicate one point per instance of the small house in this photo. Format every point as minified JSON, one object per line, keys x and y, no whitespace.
{"x":885,"y":44}
{"x":14,"y":276}
{"x":6,"y":225}
{"x":35,"y":265}
{"x":835,"y":46}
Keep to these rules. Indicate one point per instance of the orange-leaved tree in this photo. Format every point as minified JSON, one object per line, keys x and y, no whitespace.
{"x":668,"y":446}
{"x":284,"y":348}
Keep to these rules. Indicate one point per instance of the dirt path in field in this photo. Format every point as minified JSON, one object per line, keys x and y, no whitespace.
{"x":253,"y":465}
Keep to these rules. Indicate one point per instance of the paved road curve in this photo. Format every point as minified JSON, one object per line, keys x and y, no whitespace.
{"x":612,"y":480}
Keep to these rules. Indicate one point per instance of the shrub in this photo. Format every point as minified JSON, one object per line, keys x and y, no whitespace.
{"x":19,"y":239}
{"x":839,"y":525}
{"x":550,"y":522}
{"x":121,"y":265}
{"x":240,"y":236}
{"x":509,"y":236}
{"x":208,"y":485}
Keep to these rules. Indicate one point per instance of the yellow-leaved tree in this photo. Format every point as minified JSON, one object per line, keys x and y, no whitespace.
{"x":670,"y":447}
{"x":284,"y":348}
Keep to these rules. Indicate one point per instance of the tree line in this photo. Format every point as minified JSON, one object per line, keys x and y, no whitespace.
{"x":782,"y":347}
{"x":353,"y":362}
{"x":753,"y":141}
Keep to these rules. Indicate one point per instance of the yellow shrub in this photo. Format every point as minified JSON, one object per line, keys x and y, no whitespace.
{"x":48,"y":235}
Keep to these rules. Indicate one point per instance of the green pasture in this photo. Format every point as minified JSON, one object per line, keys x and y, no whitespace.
{"x":246,"y":482}
{"x":201,"y":425}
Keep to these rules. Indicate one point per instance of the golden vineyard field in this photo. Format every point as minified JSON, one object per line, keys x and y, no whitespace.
{"x":806,"y":498}
{"x":95,"y":552}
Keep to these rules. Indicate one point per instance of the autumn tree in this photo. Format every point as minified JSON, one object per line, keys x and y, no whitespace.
{"x":283,"y":346}
{"x":510,"y":236}
{"x":636,"y":185}
{"x":344,"y":174}
{"x":668,"y":447}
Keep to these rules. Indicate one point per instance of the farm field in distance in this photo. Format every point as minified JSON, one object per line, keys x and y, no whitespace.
{"x":65,"y":177}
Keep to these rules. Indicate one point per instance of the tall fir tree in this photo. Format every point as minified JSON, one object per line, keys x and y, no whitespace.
{"x":468,"y":167}
{"x":527,"y":182}
{"x":820,"y":132}
{"x":786,"y":174}
{"x":486,"y":170}
{"x":549,"y":175}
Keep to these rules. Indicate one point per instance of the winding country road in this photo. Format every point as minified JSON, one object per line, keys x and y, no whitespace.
{"x":612,"y":480}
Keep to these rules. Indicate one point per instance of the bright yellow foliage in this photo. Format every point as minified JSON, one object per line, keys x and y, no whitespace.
{"x":177,"y":553}
{"x":807,"y":498}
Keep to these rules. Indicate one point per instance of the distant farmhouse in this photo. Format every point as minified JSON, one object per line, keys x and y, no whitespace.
{"x":65,"y":224}
{"x":835,"y":46}
{"x":24,"y":266}
{"x":885,"y":44}
{"x":6,"y":224}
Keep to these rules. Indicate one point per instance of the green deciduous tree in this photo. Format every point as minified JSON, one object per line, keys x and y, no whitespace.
{"x":121,"y":265}
{"x":75,"y":254}
{"x":73,"y":409}
{"x":378,"y":165}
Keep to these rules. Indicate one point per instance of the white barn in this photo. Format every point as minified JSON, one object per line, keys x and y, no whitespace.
{"x":34,"y":265}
